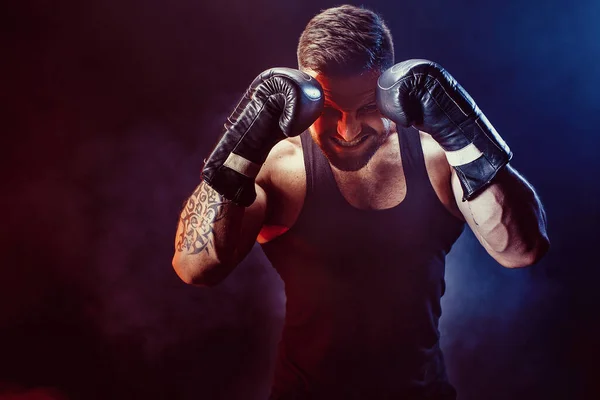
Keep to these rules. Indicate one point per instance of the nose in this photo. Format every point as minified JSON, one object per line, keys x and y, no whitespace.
{"x":348,"y":126}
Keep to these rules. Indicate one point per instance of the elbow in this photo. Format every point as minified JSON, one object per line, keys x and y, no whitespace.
{"x":203,"y":275}
{"x":529,"y":257}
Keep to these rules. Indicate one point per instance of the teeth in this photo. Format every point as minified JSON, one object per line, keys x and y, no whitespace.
{"x":343,"y":143}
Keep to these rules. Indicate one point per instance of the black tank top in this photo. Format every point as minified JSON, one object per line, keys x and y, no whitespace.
{"x":363,"y":287}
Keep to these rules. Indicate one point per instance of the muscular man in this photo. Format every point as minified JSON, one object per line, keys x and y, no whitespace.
{"x":357,"y":176}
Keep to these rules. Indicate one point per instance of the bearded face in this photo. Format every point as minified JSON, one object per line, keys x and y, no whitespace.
{"x":351,"y":129}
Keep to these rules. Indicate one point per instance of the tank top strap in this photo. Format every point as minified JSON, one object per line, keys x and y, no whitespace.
{"x":319,"y":177}
{"x":309,"y":157}
{"x":413,"y":159}
{"x":321,"y":184}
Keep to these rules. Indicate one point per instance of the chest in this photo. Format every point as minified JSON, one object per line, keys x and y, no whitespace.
{"x":373,"y":190}
{"x":382,"y":185}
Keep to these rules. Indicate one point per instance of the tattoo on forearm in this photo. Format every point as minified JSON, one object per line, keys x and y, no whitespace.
{"x":200,"y":212}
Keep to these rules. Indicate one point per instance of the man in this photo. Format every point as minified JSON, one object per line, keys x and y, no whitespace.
{"x":356,"y":209}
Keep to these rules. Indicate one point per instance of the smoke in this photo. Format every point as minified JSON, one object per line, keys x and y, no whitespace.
{"x":98,"y":172}
{"x":111,"y":108}
{"x":97,"y":229}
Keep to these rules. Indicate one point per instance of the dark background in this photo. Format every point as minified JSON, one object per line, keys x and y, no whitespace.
{"x":110,"y":107}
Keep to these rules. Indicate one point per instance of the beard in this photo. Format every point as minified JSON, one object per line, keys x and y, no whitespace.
{"x":356,"y":157}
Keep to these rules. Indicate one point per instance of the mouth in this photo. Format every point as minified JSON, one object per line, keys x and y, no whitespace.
{"x":345,"y":144}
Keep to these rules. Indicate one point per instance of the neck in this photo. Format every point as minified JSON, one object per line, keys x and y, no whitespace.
{"x":385,"y":159}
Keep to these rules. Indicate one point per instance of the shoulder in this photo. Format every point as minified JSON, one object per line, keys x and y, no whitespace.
{"x":435,"y":158}
{"x":284,"y":158}
{"x":431,"y":148}
{"x":285,"y":149}
{"x":440,"y":173}
{"x":283,"y":178}
{"x":283,"y":174}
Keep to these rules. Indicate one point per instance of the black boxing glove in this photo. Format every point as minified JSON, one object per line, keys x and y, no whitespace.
{"x":280,"y":103}
{"x":423,"y":94}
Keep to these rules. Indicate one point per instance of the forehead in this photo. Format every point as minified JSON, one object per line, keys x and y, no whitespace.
{"x":348,"y":91}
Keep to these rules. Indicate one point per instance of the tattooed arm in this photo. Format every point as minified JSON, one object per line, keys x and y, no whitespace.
{"x":507,"y":218}
{"x":214,"y":235}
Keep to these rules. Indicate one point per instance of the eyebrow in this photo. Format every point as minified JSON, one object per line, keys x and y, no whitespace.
{"x":367,"y":104}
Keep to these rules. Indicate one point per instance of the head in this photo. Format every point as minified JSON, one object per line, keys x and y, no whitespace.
{"x":346,"y":48}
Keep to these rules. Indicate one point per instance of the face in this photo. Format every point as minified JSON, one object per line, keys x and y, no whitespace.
{"x":351,"y":129}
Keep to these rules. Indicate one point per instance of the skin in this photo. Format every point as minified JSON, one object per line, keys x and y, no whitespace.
{"x":362,"y":148}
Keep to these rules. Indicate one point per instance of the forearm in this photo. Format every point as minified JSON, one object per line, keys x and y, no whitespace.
{"x":215,"y":234}
{"x":508,"y":219}
{"x":207,"y":233}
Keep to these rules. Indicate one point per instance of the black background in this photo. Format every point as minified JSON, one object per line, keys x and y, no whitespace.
{"x":110,"y":107}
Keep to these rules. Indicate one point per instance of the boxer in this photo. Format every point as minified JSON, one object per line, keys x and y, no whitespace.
{"x":357,"y":175}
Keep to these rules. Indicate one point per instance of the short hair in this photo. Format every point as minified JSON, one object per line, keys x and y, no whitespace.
{"x":345,"y":40}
